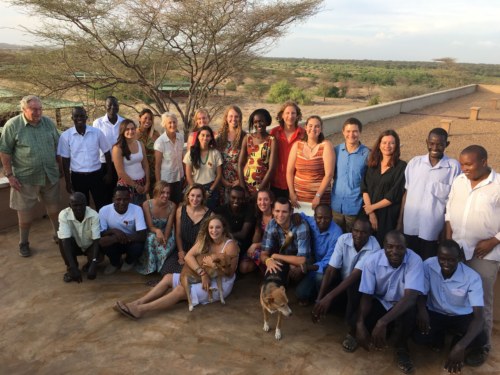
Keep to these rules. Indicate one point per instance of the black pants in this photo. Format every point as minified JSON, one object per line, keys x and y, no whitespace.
{"x":402,"y":327}
{"x":90,"y":183}
{"x":424,"y":248}
{"x":176,"y":195}
{"x":456,"y":325}
{"x":109,"y":188}
{"x":280,"y":192}
{"x":133,"y":251}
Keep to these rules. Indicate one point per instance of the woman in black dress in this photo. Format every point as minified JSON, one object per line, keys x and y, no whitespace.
{"x":384,"y":184}
{"x":188,"y":219}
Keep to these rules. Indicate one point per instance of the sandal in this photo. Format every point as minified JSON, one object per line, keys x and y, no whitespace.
{"x":123,"y":309}
{"x":67,"y":278}
{"x":405,"y":364}
{"x":476,"y":357}
{"x":350,"y":344}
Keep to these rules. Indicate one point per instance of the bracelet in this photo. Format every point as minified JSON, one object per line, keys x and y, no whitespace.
{"x":318,"y":195}
{"x":199,"y":270}
{"x":94,"y":260}
{"x":267,"y":260}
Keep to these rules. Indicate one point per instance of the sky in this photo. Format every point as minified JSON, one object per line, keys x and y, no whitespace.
{"x":420,"y":30}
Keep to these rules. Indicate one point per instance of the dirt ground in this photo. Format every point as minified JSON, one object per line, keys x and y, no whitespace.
{"x":50,"y":327}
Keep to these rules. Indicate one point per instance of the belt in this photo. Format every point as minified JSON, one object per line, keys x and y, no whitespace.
{"x":86,"y":173}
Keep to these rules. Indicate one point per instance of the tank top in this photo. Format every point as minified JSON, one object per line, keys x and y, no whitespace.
{"x":133,"y":167}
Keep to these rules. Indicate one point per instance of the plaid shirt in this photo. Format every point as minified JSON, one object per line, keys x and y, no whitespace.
{"x":274,"y":237}
{"x":32,"y":149}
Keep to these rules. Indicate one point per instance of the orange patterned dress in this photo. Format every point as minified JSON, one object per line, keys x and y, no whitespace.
{"x":257,"y":163}
{"x":308,"y":175}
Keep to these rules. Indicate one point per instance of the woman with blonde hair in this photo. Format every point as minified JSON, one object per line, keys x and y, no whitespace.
{"x":201,"y":118}
{"x":168,"y":156}
{"x":131,"y":163}
{"x":229,"y":142}
{"x":159,"y":213}
{"x":213,"y":238}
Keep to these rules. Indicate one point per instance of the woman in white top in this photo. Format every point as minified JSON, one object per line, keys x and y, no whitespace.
{"x":213,"y":238}
{"x":168,"y":156}
{"x":204,"y":165}
{"x":131,"y":163}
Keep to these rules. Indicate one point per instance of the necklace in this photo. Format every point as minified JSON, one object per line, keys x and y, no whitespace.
{"x":206,"y":158}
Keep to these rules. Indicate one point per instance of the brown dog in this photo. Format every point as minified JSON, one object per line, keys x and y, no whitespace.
{"x":273,"y":300}
{"x":222,"y":265}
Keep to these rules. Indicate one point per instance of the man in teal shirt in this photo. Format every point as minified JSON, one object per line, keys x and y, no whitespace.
{"x":28,"y":152}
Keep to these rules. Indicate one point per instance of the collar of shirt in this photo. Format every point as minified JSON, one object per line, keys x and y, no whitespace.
{"x":368,"y":246}
{"x":343,"y":147}
{"x":73,"y":130}
{"x":488,"y":180}
{"x":26,"y":122}
{"x":443,"y":163}
{"x":383,"y":261}
{"x":280,"y":132}
{"x":71,"y":215}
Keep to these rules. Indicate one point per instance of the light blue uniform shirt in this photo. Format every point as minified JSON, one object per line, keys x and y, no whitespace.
{"x":456,"y":295}
{"x":324,"y":243}
{"x":427,"y":189}
{"x":345,"y":257}
{"x":349,"y":172}
{"x":386,"y":283}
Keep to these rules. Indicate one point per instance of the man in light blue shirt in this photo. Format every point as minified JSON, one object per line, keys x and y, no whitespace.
{"x":428,"y":183}
{"x":324,"y":235}
{"x":350,"y":167}
{"x":344,"y":272}
{"x":390,"y":282}
{"x":452,"y":302}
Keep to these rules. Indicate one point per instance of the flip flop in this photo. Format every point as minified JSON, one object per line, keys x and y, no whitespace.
{"x":124,"y":310}
{"x":67,"y":278}
{"x":350,"y":344}
{"x":405,"y":363}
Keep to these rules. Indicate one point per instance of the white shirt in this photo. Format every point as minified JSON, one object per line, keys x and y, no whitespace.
{"x":171,"y":163}
{"x":427,"y":190}
{"x":84,"y":232}
{"x":111,"y":131}
{"x":345,"y":257}
{"x":130,"y":222}
{"x":83,"y":150}
{"x":208,"y":170}
{"x":474,"y":214}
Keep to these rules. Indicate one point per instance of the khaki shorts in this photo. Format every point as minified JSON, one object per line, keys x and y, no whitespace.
{"x":29,"y":195}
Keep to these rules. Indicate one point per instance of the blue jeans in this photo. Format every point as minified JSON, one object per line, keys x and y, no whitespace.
{"x":309,"y":286}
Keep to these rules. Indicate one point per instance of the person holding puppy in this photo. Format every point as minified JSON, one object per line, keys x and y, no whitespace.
{"x":285,"y":243}
{"x":214,"y":238}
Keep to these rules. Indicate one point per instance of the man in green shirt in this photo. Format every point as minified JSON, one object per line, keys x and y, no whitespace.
{"x":28,"y":149}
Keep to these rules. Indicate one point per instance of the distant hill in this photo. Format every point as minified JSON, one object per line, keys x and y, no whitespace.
{"x":13,"y":46}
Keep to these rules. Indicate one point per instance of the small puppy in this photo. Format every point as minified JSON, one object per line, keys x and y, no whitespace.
{"x":273,"y":299}
{"x":221,"y":266}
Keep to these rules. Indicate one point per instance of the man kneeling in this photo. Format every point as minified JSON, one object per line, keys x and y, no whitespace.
{"x":79,"y":234}
{"x":452,"y":302}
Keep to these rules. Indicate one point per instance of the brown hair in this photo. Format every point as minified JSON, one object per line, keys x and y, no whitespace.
{"x":289,"y":103}
{"x":375,"y":156}
{"x":122,"y":141}
{"x":321,"y":136}
{"x":159,"y":186}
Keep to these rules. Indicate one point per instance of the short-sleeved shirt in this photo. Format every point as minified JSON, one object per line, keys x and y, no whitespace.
{"x":32,"y":149}
{"x":456,"y":295}
{"x":427,"y":189}
{"x":474,"y":214}
{"x":171,"y":162}
{"x":350,"y":168}
{"x":110,"y":130}
{"x":208,"y":169}
{"x":84,"y":232}
{"x":388,"y":284}
{"x":284,"y":147}
{"x":345,"y":257}
{"x":83,"y":150}
{"x":130,"y":222}
{"x":237,"y":220}
{"x":274,"y":238}
{"x":323,"y":243}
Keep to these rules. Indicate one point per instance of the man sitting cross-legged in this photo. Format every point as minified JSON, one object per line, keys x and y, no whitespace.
{"x":344,"y":274}
{"x":390,"y":282}
{"x":452,"y":302}
{"x":79,"y":234}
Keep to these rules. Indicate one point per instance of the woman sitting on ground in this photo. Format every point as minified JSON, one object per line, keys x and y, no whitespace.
{"x":310,"y":168}
{"x":131,"y":163}
{"x":159,"y":213}
{"x":204,"y":165}
{"x":188,"y":220}
{"x":258,"y":154}
{"x":214,"y":238}
{"x":264,"y":214}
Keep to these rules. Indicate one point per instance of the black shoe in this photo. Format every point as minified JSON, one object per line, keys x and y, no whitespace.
{"x":24,"y":249}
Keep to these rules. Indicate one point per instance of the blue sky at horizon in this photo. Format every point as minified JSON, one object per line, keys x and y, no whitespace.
{"x":373,"y":30}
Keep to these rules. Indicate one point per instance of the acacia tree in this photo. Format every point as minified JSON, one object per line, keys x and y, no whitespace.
{"x":144,"y":43}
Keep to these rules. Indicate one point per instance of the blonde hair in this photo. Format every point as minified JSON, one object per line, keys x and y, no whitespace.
{"x":195,"y":116}
{"x":224,"y":130}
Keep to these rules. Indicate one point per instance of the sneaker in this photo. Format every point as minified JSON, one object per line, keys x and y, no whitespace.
{"x":110,"y":269}
{"x":127,"y":266}
{"x":24,"y":249}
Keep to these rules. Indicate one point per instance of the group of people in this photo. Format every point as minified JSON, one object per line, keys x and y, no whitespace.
{"x":410,"y":248}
